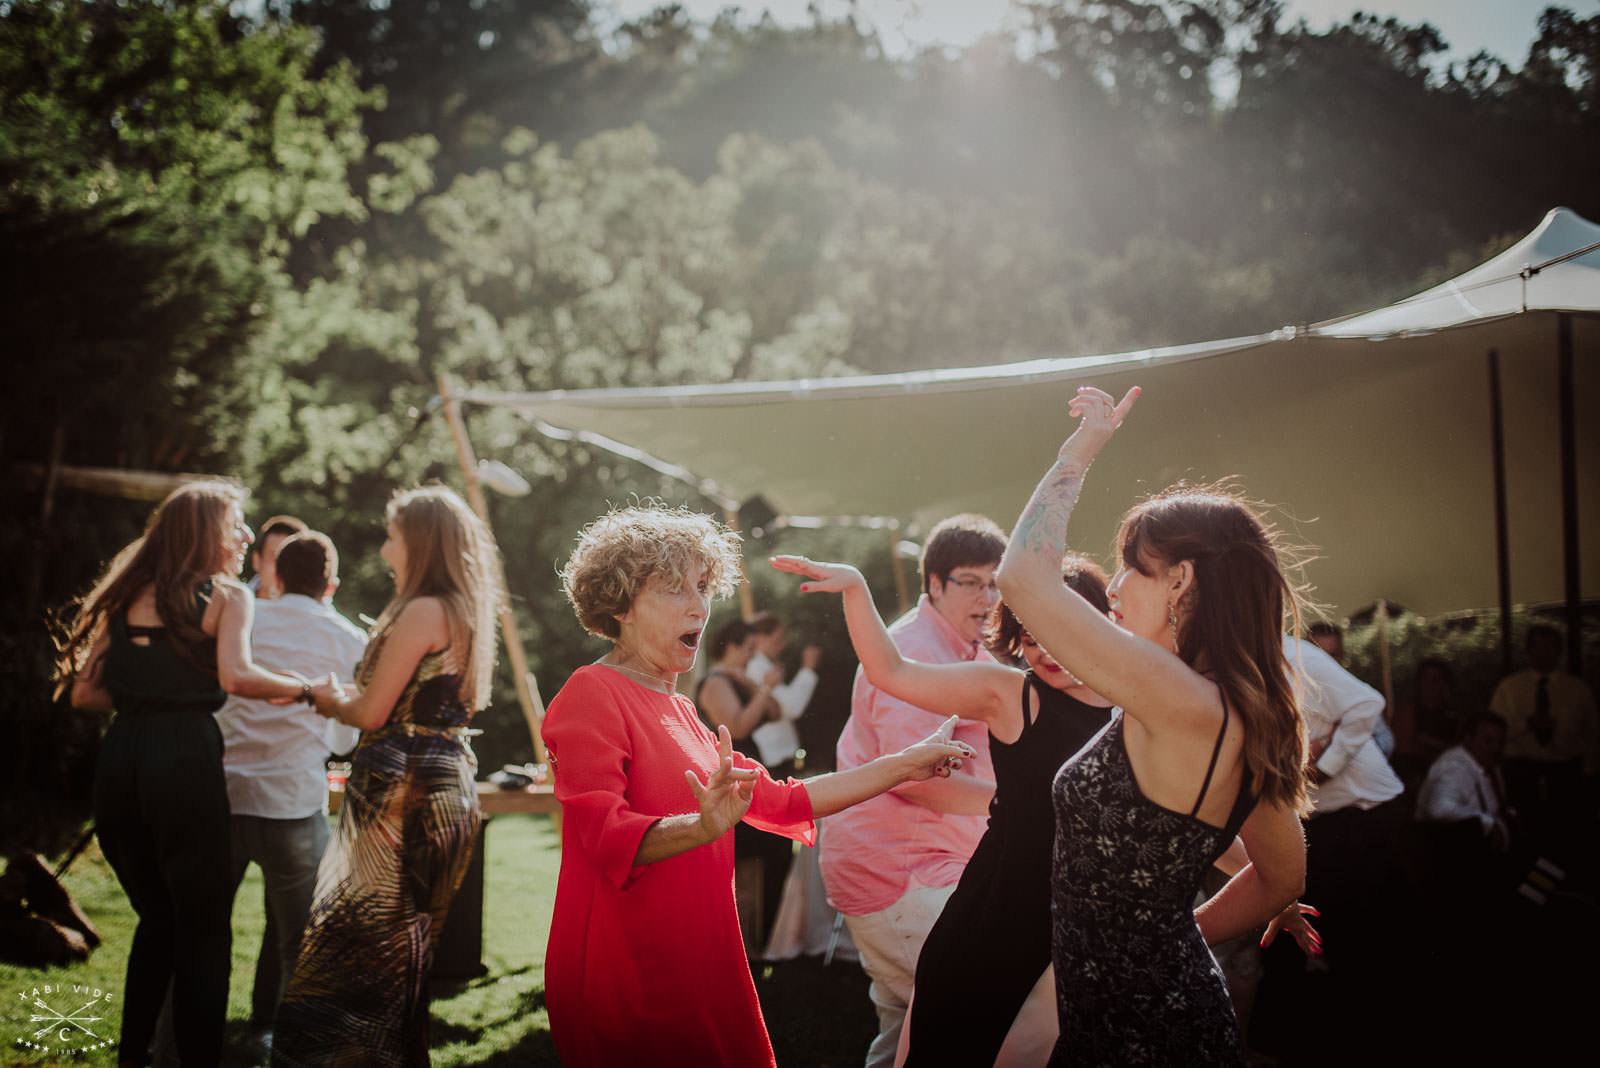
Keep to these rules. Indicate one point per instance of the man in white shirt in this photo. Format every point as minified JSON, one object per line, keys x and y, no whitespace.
{"x":275,"y":755}
{"x":778,"y":740}
{"x":1463,"y":784}
{"x":1354,"y":838}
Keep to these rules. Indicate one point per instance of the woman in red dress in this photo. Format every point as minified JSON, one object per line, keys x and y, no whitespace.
{"x":646,"y":963}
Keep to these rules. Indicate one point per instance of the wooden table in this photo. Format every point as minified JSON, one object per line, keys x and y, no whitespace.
{"x":497,"y":802}
{"x":493,"y":800}
{"x":460,"y":951}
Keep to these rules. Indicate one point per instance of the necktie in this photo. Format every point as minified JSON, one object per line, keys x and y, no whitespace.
{"x":1543,"y":724}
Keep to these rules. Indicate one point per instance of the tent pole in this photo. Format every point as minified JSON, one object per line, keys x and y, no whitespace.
{"x":1501,"y":546}
{"x":1569,"y":492}
{"x":527,"y":688}
{"x":1386,"y":667}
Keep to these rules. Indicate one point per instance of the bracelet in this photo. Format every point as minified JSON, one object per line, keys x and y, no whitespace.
{"x":305,"y":694}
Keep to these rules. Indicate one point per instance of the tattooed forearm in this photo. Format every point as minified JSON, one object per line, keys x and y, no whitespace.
{"x":1043,"y":524}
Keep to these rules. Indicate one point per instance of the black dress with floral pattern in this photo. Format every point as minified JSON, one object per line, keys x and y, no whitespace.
{"x":1135,"y":982}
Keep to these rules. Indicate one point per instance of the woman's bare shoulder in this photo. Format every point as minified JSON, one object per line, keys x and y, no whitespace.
{"x":422,"y":617}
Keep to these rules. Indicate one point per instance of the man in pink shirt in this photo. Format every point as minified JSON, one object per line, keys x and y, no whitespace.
{"x":891,"y":863}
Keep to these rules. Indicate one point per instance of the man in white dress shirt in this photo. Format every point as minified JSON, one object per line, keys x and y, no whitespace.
{"x":1353,"y":839}
{"x":1464,"y":784}
{"x":275,"y":755}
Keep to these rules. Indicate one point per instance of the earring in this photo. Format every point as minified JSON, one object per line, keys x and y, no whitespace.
{"x":1172,"y":621}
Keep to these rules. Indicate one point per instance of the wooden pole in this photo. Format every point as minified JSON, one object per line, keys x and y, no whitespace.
{"x":527,"y":688}
{"x":1386,"y":669}
{"x":900,"y":591}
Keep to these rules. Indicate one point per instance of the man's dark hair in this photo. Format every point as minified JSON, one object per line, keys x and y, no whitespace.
{"x":307,"y":563}
{"x":281,"y":524}
{"x":764,"y":623}
{"x":966,"y":540}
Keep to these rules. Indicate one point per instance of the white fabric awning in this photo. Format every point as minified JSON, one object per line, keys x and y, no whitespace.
{"x":1372,"y":433}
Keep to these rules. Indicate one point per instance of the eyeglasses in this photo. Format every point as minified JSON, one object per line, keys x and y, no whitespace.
{"x":974,"y":585}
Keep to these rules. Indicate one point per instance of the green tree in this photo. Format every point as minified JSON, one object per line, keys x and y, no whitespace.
{"x":157,"y":162}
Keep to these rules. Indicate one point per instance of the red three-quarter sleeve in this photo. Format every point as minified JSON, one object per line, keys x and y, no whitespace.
{"x":591,"y":746}
{"x":782,"y":807}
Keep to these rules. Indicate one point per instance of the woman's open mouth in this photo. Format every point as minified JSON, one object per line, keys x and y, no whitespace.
{"x":690,"y":639}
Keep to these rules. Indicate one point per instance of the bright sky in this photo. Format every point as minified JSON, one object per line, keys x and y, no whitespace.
{"x":1503,"y":27}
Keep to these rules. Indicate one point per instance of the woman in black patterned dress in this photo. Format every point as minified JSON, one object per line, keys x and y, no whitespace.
{"x":410,"y":812}
{"x":1207,"y":742}
{"x":986,"y":962}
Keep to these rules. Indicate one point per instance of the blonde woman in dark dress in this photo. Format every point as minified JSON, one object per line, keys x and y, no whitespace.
{"x":410,"y":813}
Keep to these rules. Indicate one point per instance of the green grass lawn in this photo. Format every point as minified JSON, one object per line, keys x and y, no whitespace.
{"x":819,"y":1017}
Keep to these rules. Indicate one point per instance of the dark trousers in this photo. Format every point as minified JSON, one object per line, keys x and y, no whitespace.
{"x":161,"y":812}
{"x":288,"y":852}
{"x":1358,"y":874}
{"x":776,"y":854}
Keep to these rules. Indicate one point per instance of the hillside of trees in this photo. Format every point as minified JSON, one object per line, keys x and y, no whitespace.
{"x":244,"y":239}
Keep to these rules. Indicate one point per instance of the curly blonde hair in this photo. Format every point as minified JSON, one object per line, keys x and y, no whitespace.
{"x":620,"y":552}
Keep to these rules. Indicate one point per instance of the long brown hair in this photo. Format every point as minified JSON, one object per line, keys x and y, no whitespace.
{"x":182,"y":547}
{"x":1233,"y":619}
{"x":451,"y":555}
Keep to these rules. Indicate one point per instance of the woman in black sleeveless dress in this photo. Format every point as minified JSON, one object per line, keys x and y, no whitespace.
{"x":162,"y":638}
{"x":990,"y":946}
{"x":1209,"y":741}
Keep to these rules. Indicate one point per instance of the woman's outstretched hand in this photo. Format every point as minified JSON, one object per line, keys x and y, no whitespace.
{"x":825,"y":578}
{"x":937,"y":754}
{"x":1100,"y":416}
{"x":1293,"y":920}
{"x":723,"y":798}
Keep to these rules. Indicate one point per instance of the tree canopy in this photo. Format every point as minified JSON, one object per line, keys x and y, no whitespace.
{"x":245,"y":239}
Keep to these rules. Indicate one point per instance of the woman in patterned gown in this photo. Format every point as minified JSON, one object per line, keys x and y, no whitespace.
{"x":1207,"y":742}
{"x":410,"y":813}
{"x":645,"y":963}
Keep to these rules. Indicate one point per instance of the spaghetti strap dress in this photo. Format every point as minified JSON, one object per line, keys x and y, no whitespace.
{"x":1135,"y":981}
{"x":161,"y":813}
{"x":992,"y":941}
{"x":409,"y":818}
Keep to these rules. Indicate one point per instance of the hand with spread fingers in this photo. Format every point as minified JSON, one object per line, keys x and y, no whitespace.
{"x":725,"y":796}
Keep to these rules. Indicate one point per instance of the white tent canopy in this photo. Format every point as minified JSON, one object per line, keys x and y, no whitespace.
{"x":1372,"y":434}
